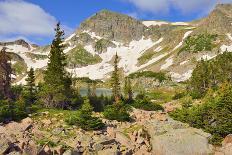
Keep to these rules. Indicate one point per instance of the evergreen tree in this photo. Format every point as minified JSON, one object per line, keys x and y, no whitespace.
{"x":84,"y":119}
{"x":30,"y":87}
{"x":5,"y":74}
{"x":115,"y":81}
{"x":128,"y":93}
{"x":57,"y":83}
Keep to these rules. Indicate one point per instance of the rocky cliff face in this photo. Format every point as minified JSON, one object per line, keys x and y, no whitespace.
{"x":114,"y":26}
{"x":219,"y":20}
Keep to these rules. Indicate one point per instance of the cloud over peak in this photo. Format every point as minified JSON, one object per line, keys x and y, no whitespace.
{"x":185,"y":6}
{"x":23,"y":18}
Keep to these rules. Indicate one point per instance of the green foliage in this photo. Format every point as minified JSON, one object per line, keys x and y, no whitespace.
{"x":142,"y":102}
{"x":128,"y":93}
{"x":102,"y":45}
{"x":30,"y":88}
{"x":19,"y":67}
{"x":146,"y":56}
{"x":115,"y":83}
{"x":84,"y":119}
{"x":187,"y":102}
{"x":99,"y":103}
{"x":159,"y":76}
{"x":210,"y":74}
{"x":178,"y":95}
{"x":12,"y":110}
{"x":117,"y":111}
{"x":214,"y":115}
{"x":56,"y":89}
{"x":80,"y":57}
{"x":198,"y":43}
{"x":36,"y":56}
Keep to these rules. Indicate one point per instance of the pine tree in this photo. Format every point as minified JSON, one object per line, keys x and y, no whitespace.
{"x":57,"y":82}
{"x":84,"y":118}
{"x":30,"y":87}
{"x":128,"y":93}
{"x":115,"y":81}
{"x":5,"y":74}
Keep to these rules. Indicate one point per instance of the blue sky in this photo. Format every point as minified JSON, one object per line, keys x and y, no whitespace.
{"x":34,"y":20}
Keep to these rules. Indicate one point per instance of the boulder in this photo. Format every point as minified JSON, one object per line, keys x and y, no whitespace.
{"x":181,"y":142}
{"x":111,"y":151}
{"x":227,"y":140}
{"x":227,"y":145}
{"x":111,"y":132}
{"x":4,"y":145}
{"x":123,"y":139}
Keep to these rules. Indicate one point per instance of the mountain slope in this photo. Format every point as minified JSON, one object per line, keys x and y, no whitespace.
{"x":173,"y":48}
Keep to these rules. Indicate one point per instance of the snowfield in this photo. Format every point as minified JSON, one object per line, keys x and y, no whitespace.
{"x":21,"y":51}
{"x":181,"y":77}
{"x":181,"y":43}
{"x":180,"y":23}
{"x":227,"y":47}
{"x":154,"y":23}
{"x":128,"y":58}
{"x":168,"y":63}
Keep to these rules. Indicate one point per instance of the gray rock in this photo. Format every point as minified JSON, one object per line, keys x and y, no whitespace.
{"x":4,"y":145}
{"x":108,"y":152}
{"x":114,"y":26}
{"x":178,"y":141}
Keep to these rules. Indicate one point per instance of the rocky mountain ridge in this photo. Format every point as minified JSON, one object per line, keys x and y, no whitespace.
{"x":141,"y":45}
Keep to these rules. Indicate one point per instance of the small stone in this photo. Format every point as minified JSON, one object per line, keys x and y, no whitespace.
{"x":46,"y":122}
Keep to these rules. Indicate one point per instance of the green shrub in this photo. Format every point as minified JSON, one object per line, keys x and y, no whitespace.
{"x":12,"y":110}
{"x":178,"y":95}
{"x":144,"y":104}
{"x":213,"y":116}
{"x":198,"y":43}
{"x":187,"y":102}
{"x":117,"y":111}
{"x":84,"y":119}
{"x":159,"y":76}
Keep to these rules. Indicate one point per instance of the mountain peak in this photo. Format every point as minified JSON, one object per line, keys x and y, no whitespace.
{"x":113,"y":26}
{"x":223,"y":6}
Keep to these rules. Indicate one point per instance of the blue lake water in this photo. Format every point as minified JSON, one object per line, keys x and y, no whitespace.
{"x":99,"y":91}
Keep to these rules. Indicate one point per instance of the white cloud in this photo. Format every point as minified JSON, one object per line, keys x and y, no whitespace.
{"x":184,"y":6}
{"x":153,"y":6}
{"x":23,"y":18}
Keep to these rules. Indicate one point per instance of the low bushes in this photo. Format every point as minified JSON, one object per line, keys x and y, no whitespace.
{"x":84,"y":119}
{"x":117,"y":111}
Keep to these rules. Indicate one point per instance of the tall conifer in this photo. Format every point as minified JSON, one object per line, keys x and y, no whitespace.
{"x":57,"y":82}
{"x":30,"y":87}
{"x":115,"y":81}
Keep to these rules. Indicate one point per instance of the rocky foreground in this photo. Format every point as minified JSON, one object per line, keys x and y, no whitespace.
{"x":151,"y":133}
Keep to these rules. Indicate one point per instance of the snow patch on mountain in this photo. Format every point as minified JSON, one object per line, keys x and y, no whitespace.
{"x":154,"y":23}
{"x":128,"y":58}
{"x":22,"y":51}
{"x":92,"y":34}
{"x":184,"y":62}
{"x":229,"y":36}
{"x":180,"y":23}
{"x":181,"y":43}
{"x":158,"y":49}
{"x":70,"y":37}
{"x":181,"y":77}
{"x":206,"y":57}
{"x":168,"y":63}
